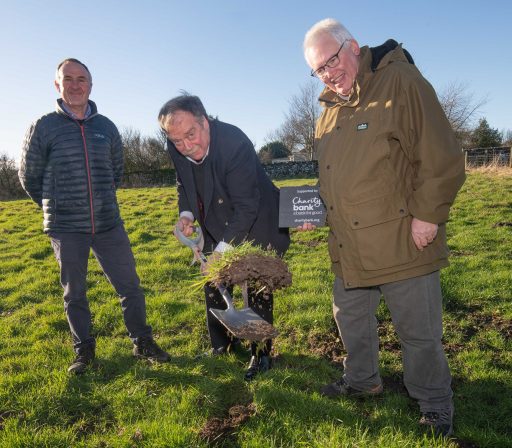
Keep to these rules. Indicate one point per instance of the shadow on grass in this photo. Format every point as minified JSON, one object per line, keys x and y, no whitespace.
{"x":84,"y":409}
{"x":483,"y":409}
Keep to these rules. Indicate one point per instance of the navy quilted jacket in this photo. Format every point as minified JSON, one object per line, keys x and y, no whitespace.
{"x":71,"y":168}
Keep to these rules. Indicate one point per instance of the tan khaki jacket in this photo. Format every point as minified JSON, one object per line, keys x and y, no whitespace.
{"x":386,"y":155}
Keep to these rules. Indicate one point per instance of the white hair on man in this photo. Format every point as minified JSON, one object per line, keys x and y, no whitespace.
{"x":326,"y":26}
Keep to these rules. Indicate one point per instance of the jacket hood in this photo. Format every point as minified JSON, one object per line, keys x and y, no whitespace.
{"x":371,"y":59}
{"x":379,"y":53}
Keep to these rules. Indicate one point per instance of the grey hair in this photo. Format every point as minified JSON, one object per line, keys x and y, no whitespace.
{"x":185,"y":103}
{"x":76,"y":61}
{"x":326,"y":26}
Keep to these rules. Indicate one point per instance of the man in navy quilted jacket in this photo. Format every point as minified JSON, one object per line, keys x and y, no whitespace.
{"x":71,"y":166}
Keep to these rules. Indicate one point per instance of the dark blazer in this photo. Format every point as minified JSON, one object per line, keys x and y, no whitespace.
{"x":240,"y":201}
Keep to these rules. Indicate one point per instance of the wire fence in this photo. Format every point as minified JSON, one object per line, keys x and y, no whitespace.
{"x":479,"y":157}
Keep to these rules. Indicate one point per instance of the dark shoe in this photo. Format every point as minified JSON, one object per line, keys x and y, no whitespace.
{"x":440,"y":422}
{"x":340,"y":388}
{"x":257,"y":365}
{"x":84,"y":358}
{"x":235,"y":346}
{"x":146,"y":348}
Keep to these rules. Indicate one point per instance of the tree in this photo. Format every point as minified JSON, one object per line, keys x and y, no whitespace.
{"x":143,"y":154}
{"x":273,"y":150}
{"x":297,"y":132}
{"x":483,"y":136}
{"x":461,"y":109}
{"x":506,"y":137}
{"x":10,"y":186}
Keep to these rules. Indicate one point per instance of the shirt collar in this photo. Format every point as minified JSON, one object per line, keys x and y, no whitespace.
{"x":199,"y":162}
{"x":73,"y":115}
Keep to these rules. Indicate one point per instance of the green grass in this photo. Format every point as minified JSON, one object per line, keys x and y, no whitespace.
{"x":127,"y":403}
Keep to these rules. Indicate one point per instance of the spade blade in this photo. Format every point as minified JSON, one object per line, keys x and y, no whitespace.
{"x":245,"y":324}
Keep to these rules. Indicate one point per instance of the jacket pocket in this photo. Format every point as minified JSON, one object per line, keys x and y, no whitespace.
{"x":382,"y":232}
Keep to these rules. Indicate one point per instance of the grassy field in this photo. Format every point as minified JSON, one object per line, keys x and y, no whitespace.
{"x":197,"y":403}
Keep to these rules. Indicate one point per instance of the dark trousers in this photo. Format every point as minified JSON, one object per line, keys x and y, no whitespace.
{"x":262,"y":304}
{"x":114,"y":254}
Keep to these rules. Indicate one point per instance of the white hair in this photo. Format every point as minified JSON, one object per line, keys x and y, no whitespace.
{"x":326,"y":26}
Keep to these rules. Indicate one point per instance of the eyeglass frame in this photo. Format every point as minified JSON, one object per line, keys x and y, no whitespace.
{"x":329,"y":64}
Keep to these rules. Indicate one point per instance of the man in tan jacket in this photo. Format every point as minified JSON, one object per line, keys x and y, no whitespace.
{"x":389,"y":170}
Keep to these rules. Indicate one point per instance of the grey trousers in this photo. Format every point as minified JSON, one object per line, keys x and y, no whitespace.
{"x":416,"y":311}
{"x":114,"y":254}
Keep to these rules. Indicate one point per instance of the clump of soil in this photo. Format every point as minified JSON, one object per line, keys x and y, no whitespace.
{"x":503,"y":224}
{"x":256,"y":330}
{"x":479,"y":321}
{"x":217,"y":428}
{"x":327,"y":345}
{"x":259,"y":271}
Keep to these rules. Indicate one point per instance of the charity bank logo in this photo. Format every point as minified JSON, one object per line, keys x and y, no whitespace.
{"x":303,"y":205}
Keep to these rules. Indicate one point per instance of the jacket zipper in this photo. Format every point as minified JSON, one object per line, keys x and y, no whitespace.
{"x":89,"y":183}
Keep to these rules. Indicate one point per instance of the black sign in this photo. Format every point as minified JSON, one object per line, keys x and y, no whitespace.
{"x":298,"y":205}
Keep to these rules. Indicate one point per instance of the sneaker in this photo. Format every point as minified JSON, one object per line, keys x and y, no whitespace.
{"x":440,"y":422}
{"x":341,"y":388}
{"x":145,"y":347}
{"x":84,"y":358}
{"x":257,"y":365}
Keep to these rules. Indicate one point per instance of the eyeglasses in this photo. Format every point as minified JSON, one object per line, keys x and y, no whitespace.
{"x":332,"y":62}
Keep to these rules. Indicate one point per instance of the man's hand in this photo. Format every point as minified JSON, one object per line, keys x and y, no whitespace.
{"x":185,"y":226}
{"x":307,"y":226}
{"x":423,"y":233}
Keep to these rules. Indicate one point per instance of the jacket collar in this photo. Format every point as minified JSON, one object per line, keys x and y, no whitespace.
{"x":60,"y":109}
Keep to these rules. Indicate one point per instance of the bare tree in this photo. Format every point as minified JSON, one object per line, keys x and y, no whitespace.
{"x":142,"y":153}
{"x":461,"y":108}
{"x":298,"y":130}
{"x":506,"y":137}
{"x":10,"y":186}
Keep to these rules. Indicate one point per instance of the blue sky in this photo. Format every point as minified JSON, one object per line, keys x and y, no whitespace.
{"x":244,"y":59}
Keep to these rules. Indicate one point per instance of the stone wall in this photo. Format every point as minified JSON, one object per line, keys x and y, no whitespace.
{"x":159,"y":178}
{"x":289,"y":170}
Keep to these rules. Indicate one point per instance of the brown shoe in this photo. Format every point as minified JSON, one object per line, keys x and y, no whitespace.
{"x":341,"y":388}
